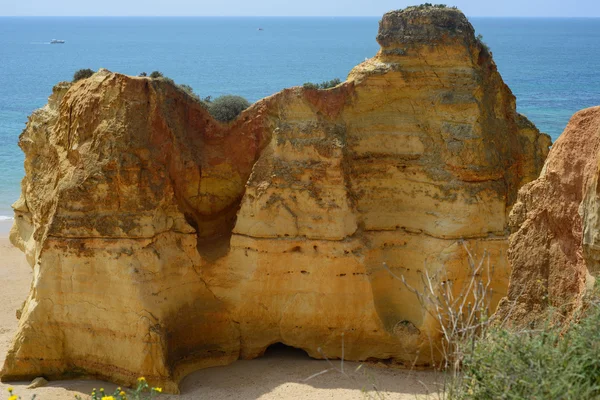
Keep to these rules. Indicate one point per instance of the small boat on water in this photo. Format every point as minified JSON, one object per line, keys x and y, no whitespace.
{"x":56,"y":41}
{"x":260,"y":29}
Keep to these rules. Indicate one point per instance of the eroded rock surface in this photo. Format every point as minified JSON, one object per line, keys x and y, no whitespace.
{"x":163,"y":241}
{"x":555,"y":248}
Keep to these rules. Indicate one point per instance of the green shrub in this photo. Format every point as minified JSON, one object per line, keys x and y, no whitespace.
{"x":322,"y":85}
{"x":547,"y":363}
{"x":143,"y":74}
{"x":227,"y":108}
{"x":186,"y":88}
{"x":82,"y":74}
{"x":483,"y":44}
{"x":189,"y":90}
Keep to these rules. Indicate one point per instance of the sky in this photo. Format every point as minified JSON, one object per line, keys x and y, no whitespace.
{"x":472,"y":8}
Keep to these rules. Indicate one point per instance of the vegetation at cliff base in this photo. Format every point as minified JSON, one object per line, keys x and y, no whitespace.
{"x":485,"y":360}
{"x":143,"y":391}
{"x":322,"y":85}
{"x":552,"y":362}
{"x":82,"y":74}
{"x":227,"y":108}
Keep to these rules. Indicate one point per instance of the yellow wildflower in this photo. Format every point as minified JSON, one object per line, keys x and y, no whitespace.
{"x":141,"y":379}
{"x":13,"y":397}
{"x":108,"y":398}
{"x":122,"y":393}
{"x":10,"y":389}
{"x":159,"y":390}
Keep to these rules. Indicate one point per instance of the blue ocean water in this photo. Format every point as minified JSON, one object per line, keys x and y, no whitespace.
{"x":552,"y":65}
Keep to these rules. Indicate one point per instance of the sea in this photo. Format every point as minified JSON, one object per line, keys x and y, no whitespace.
{"x":551,"y":65}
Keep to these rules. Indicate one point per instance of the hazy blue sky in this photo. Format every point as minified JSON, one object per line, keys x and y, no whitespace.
{"x":498,"y":8}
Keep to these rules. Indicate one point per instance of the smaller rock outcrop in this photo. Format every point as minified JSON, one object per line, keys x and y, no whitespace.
{"x":423,"y":26}
{"x":556,"y":239}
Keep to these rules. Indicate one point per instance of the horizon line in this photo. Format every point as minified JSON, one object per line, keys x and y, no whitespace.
{"x":282,"y":16}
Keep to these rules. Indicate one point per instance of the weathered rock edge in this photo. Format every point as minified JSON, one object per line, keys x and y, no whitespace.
{"x":163,"y":242}
{"x":555,"y":248}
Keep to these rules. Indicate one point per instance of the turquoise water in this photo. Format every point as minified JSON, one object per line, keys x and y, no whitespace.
{"x":552,"y":65}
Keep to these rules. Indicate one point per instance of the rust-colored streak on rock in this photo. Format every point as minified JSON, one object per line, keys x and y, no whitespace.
{"x":331,"y":102}
{"x":554,"y":246}
{"x":163,"y":241}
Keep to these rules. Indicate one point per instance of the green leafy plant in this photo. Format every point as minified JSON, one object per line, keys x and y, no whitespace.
{"x":310,"y":85}
{"x":551,"y":362}
{"x":190,"y":91}
{"x":82,"y":74}
{"x":483,"y":44}
{"x":186,"y":88}
{"x":322,"y":85}
{"x":227,"y":108}
{"x":143,"y":391}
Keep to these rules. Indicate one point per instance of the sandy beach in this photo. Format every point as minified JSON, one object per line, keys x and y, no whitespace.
{"x":281,"y":374}
{"x":5,"y":226}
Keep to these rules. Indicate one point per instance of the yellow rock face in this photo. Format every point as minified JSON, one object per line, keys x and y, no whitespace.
{"x":163,"y":241}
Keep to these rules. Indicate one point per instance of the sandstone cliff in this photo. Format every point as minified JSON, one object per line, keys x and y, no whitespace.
{"x":556,"y":243}
{"x":163,"y":241}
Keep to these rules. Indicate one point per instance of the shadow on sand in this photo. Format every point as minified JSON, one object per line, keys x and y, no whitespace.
{"x":280,"y":374}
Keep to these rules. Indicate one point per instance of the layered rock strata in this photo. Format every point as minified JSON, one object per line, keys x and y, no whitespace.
{"x":163,"y":241}
{"x":555,"y":247}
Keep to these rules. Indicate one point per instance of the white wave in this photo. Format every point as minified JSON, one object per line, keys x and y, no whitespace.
{"x":5,"y":218}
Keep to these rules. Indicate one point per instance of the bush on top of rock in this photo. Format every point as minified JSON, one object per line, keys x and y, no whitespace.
{"x":322,"y":85}
{"x":227,"y":108}
{"x":82,"y":74}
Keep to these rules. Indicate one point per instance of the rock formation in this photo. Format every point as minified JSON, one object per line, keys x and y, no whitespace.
{"x":163,"y":241}
{"x":556,"y":243}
